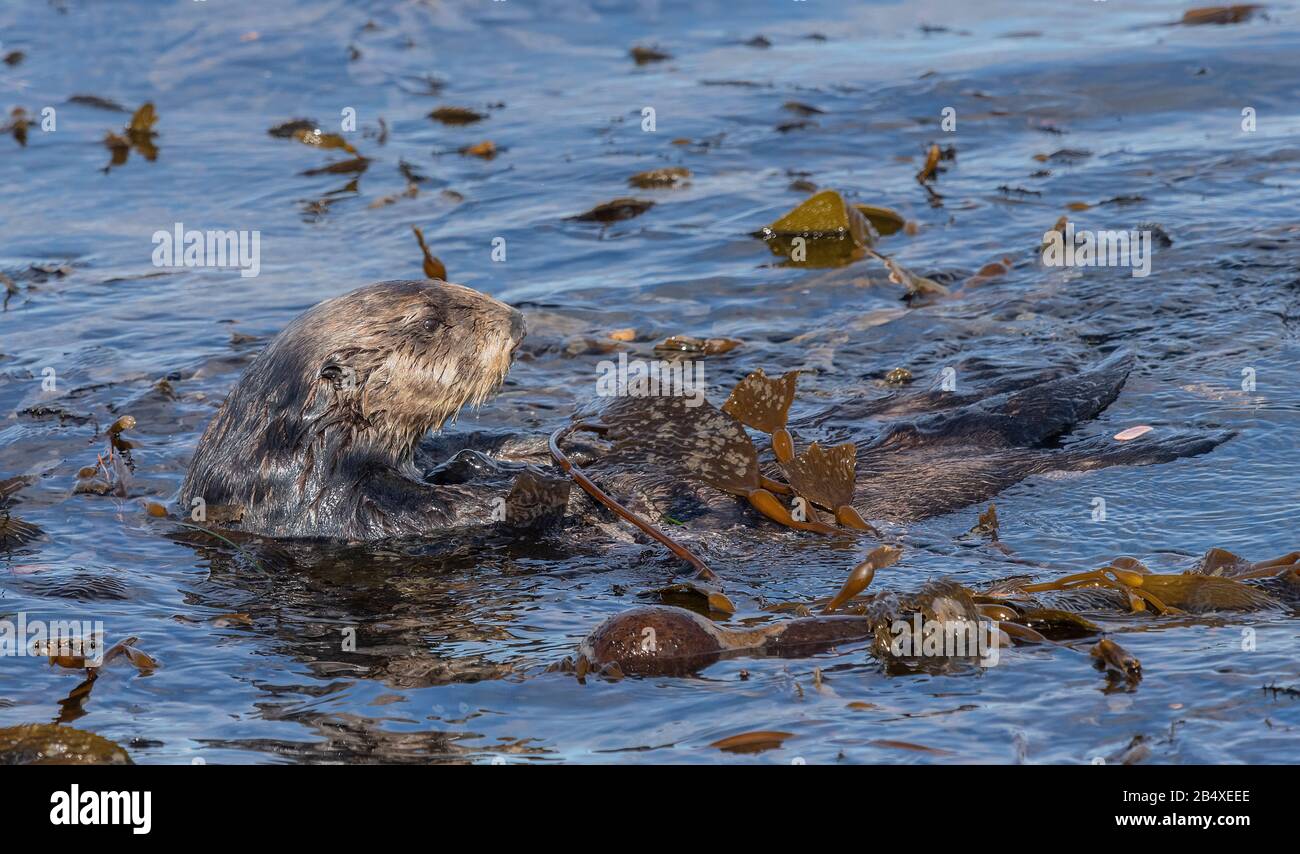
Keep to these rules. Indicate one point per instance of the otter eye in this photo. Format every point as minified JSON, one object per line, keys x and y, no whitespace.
{"x":431,"y":325}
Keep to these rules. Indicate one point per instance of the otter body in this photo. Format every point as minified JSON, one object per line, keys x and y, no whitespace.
{"x":931,"y":453}
{"x":317,"y":438}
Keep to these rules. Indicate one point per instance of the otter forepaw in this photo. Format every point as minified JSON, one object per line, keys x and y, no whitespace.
{"x":536,"y":500}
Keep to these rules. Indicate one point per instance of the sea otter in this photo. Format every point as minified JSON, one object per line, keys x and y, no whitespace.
{"x":317,"y":439}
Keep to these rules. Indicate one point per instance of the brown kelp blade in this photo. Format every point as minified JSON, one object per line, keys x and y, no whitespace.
{"x":696,"y":596}
{"x":1221,"y":562}
{"x":824,"y":476}
{"x":885,"y":221}
{"x":861,"y":576}
{"x":752,"y":742}
{"x":762,"y":402}
{"x":1224,"y":563}
{"x":1233,"y":14}
{"x":55,"y":744}
{"x":690,"y":437}
{"x":988,"y":523}
{"x":929,"y":170}
{"x":143,"y":120}
{"x":1200,"y":593}
{"x":823,"y":214}
{"x":317,"y":138}
{"x":433,"y":268}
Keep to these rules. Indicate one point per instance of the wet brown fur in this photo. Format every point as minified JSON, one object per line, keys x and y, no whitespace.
{"x":317,"y":438}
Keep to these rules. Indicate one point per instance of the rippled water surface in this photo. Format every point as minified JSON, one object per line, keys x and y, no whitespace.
{"x":453,"y":650}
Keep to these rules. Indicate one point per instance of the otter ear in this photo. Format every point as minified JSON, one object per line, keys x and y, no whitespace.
{"x":342,"y":376}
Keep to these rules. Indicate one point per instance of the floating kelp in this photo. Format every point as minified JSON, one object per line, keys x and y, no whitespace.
{"x":317,"y":138}
{"x":412,"y":190}
{"x":53,"y":744}
{"x":987,"y":526}
{"x":894,"y":744}
{"x":142,"y":661}
{"x":98,"y":103}
{"x":615,"y":210}
{"x":669,"y":176}
{"x":433,"y":268}
{"x":930,"y":169}
{"x":643,"y":55}
{"x":1224,"y":563}
{"x":138,"y":136}
{"x":111,"y":471}
{"x":665,"y":641}
{"x":763,"y":403}
{"x":678,"y":345}
{"x":14,"y":531}
{"x":673,"y":641}
{"x":410,"y":173}
{"x":1064,"y":155}
{"x":115,"y":430}
{"x":1057,"y":624}
{"x":1171,"y":593}
{"x":899,"y":376}
{"x":885,"y":220}
{"x":317,"y":208}
{"x":17,"y":125}
{"x":989,"y":272}
{"x":287,"y":130}
{"x":801,"y":109}
{"x":822,"y":231}
{"x":487,"y":149}
{"x":696,"y":596}
{"x":70,"y":652}
{"x":1220,"y":14}
{"x":919,"y":288}
{"x":457,"y":116}
{"x":861,"y":576}
{"x":341,"y":167}
{"x":14,"y":57}
{"x":825,"y":477}
{"x":753,"y":742}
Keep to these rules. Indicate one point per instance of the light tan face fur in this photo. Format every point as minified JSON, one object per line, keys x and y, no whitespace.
{"x":411,"y":355}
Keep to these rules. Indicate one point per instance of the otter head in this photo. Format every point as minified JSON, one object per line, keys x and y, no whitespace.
{"x":393,"y":360}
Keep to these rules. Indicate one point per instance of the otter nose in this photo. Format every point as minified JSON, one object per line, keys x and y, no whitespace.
{"x":518,"y":329}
